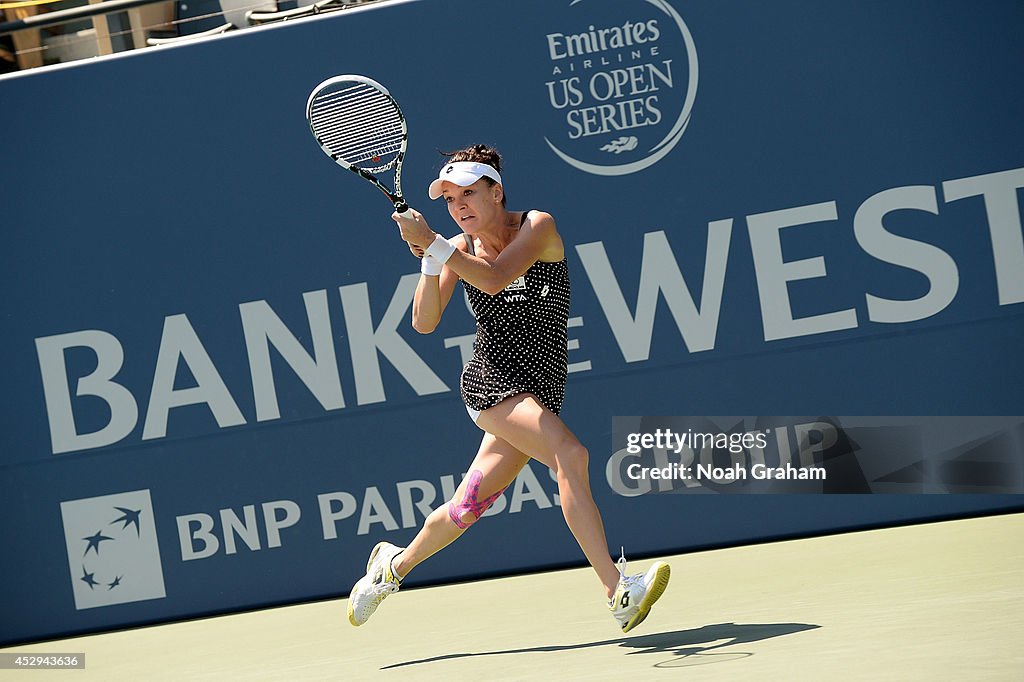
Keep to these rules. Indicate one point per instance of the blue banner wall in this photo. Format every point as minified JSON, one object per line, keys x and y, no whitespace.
{"x":213,"y":399}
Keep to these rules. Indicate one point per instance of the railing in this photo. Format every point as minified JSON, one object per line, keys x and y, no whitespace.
{"x":63,"y":16}
{"x":134,"y":30}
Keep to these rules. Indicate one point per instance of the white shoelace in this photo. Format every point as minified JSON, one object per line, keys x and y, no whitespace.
{"x":623,"y":580}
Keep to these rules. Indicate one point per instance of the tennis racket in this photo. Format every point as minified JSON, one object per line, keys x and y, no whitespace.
{"x":357,"y":122}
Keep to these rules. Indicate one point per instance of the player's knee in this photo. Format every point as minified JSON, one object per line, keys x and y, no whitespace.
{"x":465,"y":513}
{"x":460,"y":516}
{"x":573,"y":462}
{"x":468,"y":511}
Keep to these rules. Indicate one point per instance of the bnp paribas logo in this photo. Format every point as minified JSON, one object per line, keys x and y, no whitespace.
{"x":112,"y":548}
{"x":621,"y":82}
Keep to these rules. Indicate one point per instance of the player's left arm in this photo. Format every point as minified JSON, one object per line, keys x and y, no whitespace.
{"x":538,"y":239}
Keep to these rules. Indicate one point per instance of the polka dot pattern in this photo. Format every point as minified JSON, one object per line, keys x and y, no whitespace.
{"x":520,"y":341}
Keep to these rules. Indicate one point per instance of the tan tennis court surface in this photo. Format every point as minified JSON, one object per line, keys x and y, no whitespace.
{"x":940,"y":601}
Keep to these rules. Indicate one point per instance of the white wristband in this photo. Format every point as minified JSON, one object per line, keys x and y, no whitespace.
{"x":441,"y":249}
{"x":431,"y":266}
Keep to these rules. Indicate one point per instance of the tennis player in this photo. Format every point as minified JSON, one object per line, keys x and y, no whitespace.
{"x":513,"y":267}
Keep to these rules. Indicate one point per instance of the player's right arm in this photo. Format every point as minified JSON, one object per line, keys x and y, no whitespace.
{"x":432,"y":296}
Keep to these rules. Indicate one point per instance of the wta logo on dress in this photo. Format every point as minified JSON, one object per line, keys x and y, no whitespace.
{"x":621,"y":84}
{"x":113,"y":554}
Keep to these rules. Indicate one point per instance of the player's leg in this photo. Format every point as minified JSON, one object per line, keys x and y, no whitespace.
{"x":530,"y":427}
{"x":495,"y":466}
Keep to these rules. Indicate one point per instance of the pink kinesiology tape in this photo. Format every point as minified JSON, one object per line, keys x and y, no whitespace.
{"x":470,"y":504}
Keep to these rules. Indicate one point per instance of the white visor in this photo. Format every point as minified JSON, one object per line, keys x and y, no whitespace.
{"x":463,"y":174}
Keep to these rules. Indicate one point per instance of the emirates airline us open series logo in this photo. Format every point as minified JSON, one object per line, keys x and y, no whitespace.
{"x":621,"y":86}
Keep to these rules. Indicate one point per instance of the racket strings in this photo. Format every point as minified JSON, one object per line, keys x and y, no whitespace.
{"x":353,"y":141}
{"x":342,"y":133}
{"x":358,"y":124}
{"x":327,"y":106}
{"x":330,"y":116}
{"x":354,"y":152}
{"x":358,"y":91}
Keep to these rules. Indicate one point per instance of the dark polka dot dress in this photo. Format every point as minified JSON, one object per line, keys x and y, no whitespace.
{"x":520,"y":341}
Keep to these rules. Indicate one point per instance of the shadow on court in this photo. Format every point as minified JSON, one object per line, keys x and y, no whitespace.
{"x":689,"y":647}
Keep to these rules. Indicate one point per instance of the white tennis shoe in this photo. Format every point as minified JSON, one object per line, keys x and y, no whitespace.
{"x":374,"y":587}
{"x":636,"y":594}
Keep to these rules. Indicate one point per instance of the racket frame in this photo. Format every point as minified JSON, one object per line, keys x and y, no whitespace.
{"x":368,"y":174}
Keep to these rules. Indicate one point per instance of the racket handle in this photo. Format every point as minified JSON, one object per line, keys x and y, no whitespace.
{"x":403,"y":210}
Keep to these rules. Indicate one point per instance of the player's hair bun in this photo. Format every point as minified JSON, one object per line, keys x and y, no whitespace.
{"x":477,"y":153}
